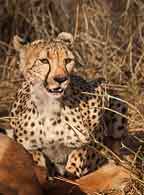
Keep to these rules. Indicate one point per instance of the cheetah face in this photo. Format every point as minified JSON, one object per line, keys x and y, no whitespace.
{"x":48,"y":63}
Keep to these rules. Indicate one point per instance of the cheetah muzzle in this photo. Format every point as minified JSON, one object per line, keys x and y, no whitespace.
{"x":58,"y":92}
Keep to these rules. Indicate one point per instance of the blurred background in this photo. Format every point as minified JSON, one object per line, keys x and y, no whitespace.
{"x":109,"y":44}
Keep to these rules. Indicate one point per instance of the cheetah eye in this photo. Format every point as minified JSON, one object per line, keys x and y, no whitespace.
{"x":44,"y":61}
{"x":68,"y":60}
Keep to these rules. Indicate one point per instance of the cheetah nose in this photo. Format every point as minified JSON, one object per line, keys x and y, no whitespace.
{"x":60,"y":79}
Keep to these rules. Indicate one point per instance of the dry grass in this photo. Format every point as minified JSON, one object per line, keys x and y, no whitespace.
{"x":109,"y":43}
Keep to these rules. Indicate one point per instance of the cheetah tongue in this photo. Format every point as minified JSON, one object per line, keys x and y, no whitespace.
{"x":56,"y":90}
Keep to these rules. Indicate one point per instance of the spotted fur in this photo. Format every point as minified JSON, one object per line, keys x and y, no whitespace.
{"x":59,"y":114}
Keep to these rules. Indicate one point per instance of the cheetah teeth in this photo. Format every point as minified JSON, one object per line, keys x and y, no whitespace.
{"x":56,"y":90}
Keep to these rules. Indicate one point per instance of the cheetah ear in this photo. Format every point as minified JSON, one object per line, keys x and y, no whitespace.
{"x":19,"y":42}
{"x":67,"y":38}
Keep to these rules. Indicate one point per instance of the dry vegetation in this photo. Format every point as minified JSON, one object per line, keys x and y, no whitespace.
{"x":109,"y":44}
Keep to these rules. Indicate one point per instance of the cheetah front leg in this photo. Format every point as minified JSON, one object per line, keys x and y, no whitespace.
{"x":116,"y":125}
{"x":41,"y":160}
{"x":83,"y":161}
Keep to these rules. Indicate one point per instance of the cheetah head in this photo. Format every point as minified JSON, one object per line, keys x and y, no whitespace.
{"x":48,"y":63}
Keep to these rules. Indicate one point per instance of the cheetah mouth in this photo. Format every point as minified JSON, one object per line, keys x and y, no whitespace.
{"x":56,"y":91}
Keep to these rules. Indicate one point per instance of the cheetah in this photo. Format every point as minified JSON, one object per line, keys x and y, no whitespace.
{"x":59,"y":117}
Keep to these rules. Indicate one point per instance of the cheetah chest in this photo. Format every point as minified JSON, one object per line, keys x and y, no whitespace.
{"x":70,"y":126}
{"x":65,"y":127}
